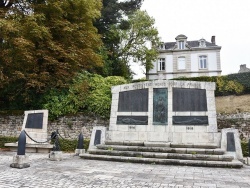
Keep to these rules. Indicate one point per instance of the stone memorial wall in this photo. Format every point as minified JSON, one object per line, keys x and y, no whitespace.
{"x":164,"y":111}
{"x":35,"y":124}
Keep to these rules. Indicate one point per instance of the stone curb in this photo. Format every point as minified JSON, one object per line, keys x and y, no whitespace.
{"x":233,"y":164}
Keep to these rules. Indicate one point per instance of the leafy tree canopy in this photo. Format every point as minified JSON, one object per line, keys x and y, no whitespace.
{"x":44,"y":44}
{"x":114,"y":14}
{"x":137,"y":44}
{"x":139,"y":41}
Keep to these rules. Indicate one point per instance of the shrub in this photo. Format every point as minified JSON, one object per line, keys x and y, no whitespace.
{"x":224,"y":86}
{"x":100,"y":97}
{"x":242,"y":78}
{"x":89,"y":93}
{"x":227,"y":87}
{"x":70,"y":145}
{"x":245,"y":149}
{"x":7,"y":139}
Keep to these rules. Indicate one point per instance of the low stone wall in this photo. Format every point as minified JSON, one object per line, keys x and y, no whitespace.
{"x":239,"y":121}
{"x":71,"y":126}
{"x":10,"y":125}
{"x":68,"y":126}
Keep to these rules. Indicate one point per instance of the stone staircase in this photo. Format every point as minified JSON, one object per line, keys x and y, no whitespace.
{"x":163,"y":153}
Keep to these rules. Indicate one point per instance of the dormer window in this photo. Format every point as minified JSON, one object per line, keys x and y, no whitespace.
{"x":181,"y":45}
{"x":162,"y":46}
{"x":202,"y":43}
{"x":180,"y":41}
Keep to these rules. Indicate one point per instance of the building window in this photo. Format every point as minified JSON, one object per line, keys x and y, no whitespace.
{"x":203,"y":62}
{"x":181,"y":45}
{"x":181,"y":63}
{"x":161,"y":64}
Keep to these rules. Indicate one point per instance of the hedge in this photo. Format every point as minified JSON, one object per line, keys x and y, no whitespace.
{"x":7,"y":139}
{"x":65,"y":144}
{"x":70,"y":145}
{"x":224,"y":85}
{"x":242,"y":78}
{"x":245,"y":149}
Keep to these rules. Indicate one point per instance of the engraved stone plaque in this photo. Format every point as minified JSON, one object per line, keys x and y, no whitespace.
{"x":190,"y":120}
{"x":132,"y":120}
{"x":185,"y":99}
{"x":133,"y":101}
{"x":230,"y":142}
{"x":160,"y":106}
{"x":34,"y":121}
{"x":98,"y":134}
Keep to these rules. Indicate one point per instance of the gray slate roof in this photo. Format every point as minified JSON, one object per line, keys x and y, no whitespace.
{"x":192,"y":44}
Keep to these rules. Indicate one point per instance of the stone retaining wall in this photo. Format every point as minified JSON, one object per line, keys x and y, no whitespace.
{"x":239,"y":121}
{"x":68,"y":126}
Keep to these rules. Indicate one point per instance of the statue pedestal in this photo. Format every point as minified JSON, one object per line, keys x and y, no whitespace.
{"x":79,"y":151}
{"x":55,"y":155}
{"x":20,"y":161}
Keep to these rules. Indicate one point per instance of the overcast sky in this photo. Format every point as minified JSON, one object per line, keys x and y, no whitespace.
{"x":228,"y":20}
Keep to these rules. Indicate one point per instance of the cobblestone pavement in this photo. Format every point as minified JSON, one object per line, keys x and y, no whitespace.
{"x":73,"y":172}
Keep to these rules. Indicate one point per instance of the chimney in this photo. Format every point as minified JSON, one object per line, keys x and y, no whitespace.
{"x":213,"y":40}
{"x":243,"y":66}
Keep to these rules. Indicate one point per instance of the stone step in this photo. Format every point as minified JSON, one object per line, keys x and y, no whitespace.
{"x":163,"y":155}
{"x":232,"y":164}
{"x":201,"y":146}
{"x":161,"y":144}
{"x":162,"y":149}
{"x":125,"y":143}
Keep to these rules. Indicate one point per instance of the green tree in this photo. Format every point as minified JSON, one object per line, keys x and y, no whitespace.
{"x":137,"y":44}
{"x":43,"y":45}
{"x":114,"y":13}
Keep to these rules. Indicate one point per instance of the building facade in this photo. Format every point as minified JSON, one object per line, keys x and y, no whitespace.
{"x":185,"y":58}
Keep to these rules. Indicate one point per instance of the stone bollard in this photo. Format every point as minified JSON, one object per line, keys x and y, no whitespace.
{"x":56,"y":154}
{"x":20,"y":160}
{"x":80,"y":149}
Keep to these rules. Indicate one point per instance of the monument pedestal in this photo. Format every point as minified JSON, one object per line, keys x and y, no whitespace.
{"x":55,"y":155}
{"x":20,"y":161}
{"x":79,"y":151}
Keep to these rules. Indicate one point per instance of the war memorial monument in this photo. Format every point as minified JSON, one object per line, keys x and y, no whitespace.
{"x":165,"y":122}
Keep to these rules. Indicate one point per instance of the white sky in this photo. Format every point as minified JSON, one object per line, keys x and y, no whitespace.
{"x":228,"y":20}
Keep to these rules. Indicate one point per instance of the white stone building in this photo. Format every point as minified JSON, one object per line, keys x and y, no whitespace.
{"x":185,"y":58}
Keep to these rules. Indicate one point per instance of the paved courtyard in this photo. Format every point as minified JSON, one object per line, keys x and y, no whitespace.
{"x":75,"y":172}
